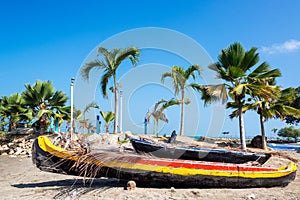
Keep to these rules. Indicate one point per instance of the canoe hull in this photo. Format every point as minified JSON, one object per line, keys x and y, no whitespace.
{"x":202,"y":154}
{"x":52,"y":162}
{"x":284,"y":147}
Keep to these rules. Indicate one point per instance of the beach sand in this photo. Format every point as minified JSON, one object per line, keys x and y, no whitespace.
{"x":20,"y":179}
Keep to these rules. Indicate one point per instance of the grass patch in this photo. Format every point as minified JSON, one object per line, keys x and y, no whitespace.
{"x":123,"y":141}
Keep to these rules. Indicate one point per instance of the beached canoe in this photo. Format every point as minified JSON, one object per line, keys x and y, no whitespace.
{"x":157,"y":171}
{"x":165,"y":150}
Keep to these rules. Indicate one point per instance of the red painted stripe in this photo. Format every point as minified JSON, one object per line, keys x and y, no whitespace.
{"x":202,"y":165}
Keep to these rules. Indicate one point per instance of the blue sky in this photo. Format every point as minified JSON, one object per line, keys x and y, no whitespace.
{"x":50,"y":40}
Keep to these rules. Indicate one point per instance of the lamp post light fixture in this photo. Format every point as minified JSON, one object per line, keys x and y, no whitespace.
{"x":72,"y":111}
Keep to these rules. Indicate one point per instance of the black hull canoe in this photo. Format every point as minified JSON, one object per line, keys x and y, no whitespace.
{"x":157,"y":171}
{"x":191,"y":153}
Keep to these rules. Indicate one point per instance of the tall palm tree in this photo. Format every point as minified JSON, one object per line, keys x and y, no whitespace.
{"x":13,"y":109}
{"x":110,"y":63}
{"x":44,"y":101}
{"x":180,"y":79}
{"x":235,"y":66}
{"x":258,"y":104}
{"x":158,"y":112}
{"x":107,"y":117}
{"x":266,"y":108}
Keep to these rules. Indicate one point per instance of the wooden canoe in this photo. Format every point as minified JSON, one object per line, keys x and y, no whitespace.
{"x":164,"y":150}
{"x":157,"y":171}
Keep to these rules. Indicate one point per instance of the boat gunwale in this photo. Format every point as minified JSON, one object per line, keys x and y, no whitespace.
{"x":196,"y":149}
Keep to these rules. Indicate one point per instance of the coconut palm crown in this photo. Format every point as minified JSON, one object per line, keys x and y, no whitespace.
{"x":44,"y":101}
{"x":110,"y":62}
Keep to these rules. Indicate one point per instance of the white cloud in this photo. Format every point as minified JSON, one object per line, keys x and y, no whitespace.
{"x":288,"y":46}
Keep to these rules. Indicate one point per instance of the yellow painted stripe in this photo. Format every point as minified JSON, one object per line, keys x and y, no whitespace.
{"x":46,"y":145}
{"x":189,"y":171}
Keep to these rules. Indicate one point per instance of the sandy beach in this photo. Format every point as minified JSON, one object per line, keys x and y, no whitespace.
{"x":20,"y":179}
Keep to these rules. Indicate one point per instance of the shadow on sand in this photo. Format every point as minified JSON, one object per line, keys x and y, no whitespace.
{"x":75,"y":187}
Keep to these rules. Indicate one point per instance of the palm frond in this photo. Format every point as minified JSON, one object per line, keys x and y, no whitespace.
{"x":86,"y":69}
{"x":109,"y":56}
{"x":262,"y":68}
{"x":107,"y":116}
{"x":158,"y":103}
{"x":89,"y":106}
{"x":132,"y":53}
{"x":59,"y":98}
{"x":171,"y":102}
{"x":104,"y":81}
{"x":232,"y":56}
{"x":270,"y":74}
{"x":235,"y":72}
{"x":217,"y":92}
{"x":250,"y":59}
{"x":190,"y":71}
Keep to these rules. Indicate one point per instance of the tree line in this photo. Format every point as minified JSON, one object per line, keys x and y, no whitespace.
{"x":247,"y":85}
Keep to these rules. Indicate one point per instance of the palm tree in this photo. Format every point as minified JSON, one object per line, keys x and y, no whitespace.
{"x":295,"y":104}
{"x":88,"y":107}
{"x":158,"y":112}
{"x":260,"y":105}
{"x":180,"y":79}
{"x":107,"y":117}
{"x":13,"y":109}
{"x":264,"y":107}
{"x":276,"y":108}
{"x":44,"y":101}
{"x":110,"y":63}
{"x":234,"y":67}
{"x":90,"y":127}
{"x":271,"y":108}
{"x":84,"y":122}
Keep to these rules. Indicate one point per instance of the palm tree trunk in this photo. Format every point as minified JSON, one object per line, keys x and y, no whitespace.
{"x":116,"y":105}
{"x":182,"y":113}
{"x":156,"y":127}
{"x":263,"y":135}
{"x":242,"y":128}
{"x":12,"y":126}
{"x":106,"y":128}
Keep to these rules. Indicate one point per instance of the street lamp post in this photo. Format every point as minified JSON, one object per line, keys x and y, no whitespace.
{"x":121,"y":113}
{"x":72,"y":111}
